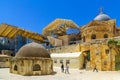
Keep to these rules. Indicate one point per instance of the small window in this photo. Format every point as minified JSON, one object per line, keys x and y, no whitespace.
{"x":97,"y":52}
{"x":7,"y":60}
{"x":61,"y":61}
{"x":105,"y":62}
{"x":107,"y":51}
{"x":36,"y":67}
{"x":105,"y":35}
{"x":93,"y":36}
{"x":15,"y":68}
{"x":67,"y":61}
{"x":55,"y":61}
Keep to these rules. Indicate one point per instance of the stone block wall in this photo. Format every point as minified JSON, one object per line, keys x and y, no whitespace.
{"x":66,"y":49}
{"x":26,"y":66}
{"x":102,"y":57}
{"x":4,"y":62}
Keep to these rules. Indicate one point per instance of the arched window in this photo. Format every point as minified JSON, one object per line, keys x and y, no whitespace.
{"x":105,"y":35}
{"x":36,"y":67}
{"x":93,"y":36}
{"x":15,"y":68}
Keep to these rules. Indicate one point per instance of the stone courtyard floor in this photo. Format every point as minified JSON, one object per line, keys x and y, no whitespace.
{"x":74,"y":75}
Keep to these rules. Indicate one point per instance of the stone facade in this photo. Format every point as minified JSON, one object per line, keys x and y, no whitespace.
{"x":98,"y":30}
{"x":69,"y":39}
{"x":5,"y":57}
{"x":7,"y":52}
{"x":4,"y":61}
{"x":102,"y":57}
{"x":32,"y":59}
{"x":92,"y":42}
{"x":31,"y":66}
{"x":75,"y":59}
{"x":65,"y":49}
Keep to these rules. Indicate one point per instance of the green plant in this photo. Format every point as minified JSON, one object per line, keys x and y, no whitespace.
{"x":114,"y":42}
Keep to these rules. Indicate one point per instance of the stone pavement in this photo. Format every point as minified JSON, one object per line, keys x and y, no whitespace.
{"x":74,"y":75}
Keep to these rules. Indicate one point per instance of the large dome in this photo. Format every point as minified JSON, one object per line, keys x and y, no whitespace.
{"x":33,"y":50}
{"x":101,"y":17}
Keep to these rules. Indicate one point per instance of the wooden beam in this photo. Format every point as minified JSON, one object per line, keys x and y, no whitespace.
{"x":13,"y":33}
{"x":3,"y":28}
{"x":7,"y":31}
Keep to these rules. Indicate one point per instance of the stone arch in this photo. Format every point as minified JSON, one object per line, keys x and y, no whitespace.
{"x":105,"y":35}
{"x":36,"y":67}
{"x":15,"y":67}
{"x":93,"y":36}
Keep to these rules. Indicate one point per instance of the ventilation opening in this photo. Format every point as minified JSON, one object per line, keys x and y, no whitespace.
{"x":36,"y":67}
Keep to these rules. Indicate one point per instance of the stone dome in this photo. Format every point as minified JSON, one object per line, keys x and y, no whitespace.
{"x":102,"y":17}
{"x":32,"y":50}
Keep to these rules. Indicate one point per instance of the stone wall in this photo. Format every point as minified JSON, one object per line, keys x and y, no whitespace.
{"x":102,"y":56}
{"x":25,"y":66}
{"x":64,"y":39}
{"x":74,"y":62}
{"x":117,"y":32}
{"x":7,"y":52}
{"x":4,"y":61}
{"x":65,"y":49}
{"x":98,"y":28}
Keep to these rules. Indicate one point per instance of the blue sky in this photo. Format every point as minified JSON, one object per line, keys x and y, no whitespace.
{"x":34,"y":15}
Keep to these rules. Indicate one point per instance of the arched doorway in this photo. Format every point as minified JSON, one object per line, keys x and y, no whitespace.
{"x":86,"y":55}
{"x":15,"y":68}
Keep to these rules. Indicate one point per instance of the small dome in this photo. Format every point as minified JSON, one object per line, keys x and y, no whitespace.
{"x":33,"y":50}
{"x":101,"y":17}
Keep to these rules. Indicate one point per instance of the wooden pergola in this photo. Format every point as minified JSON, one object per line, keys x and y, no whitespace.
{"x":55,"y":25}
{"x":10,"y":31}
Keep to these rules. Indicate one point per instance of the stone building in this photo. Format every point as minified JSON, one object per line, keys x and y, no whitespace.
{"x":32,"y":59}
{"x":95,"y":35}
{"x":5,"y":56}
{"x":68,"y":58}
{"x":4,"y":61}
{"x":91,"y":41}
{"x":102,"y":57}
